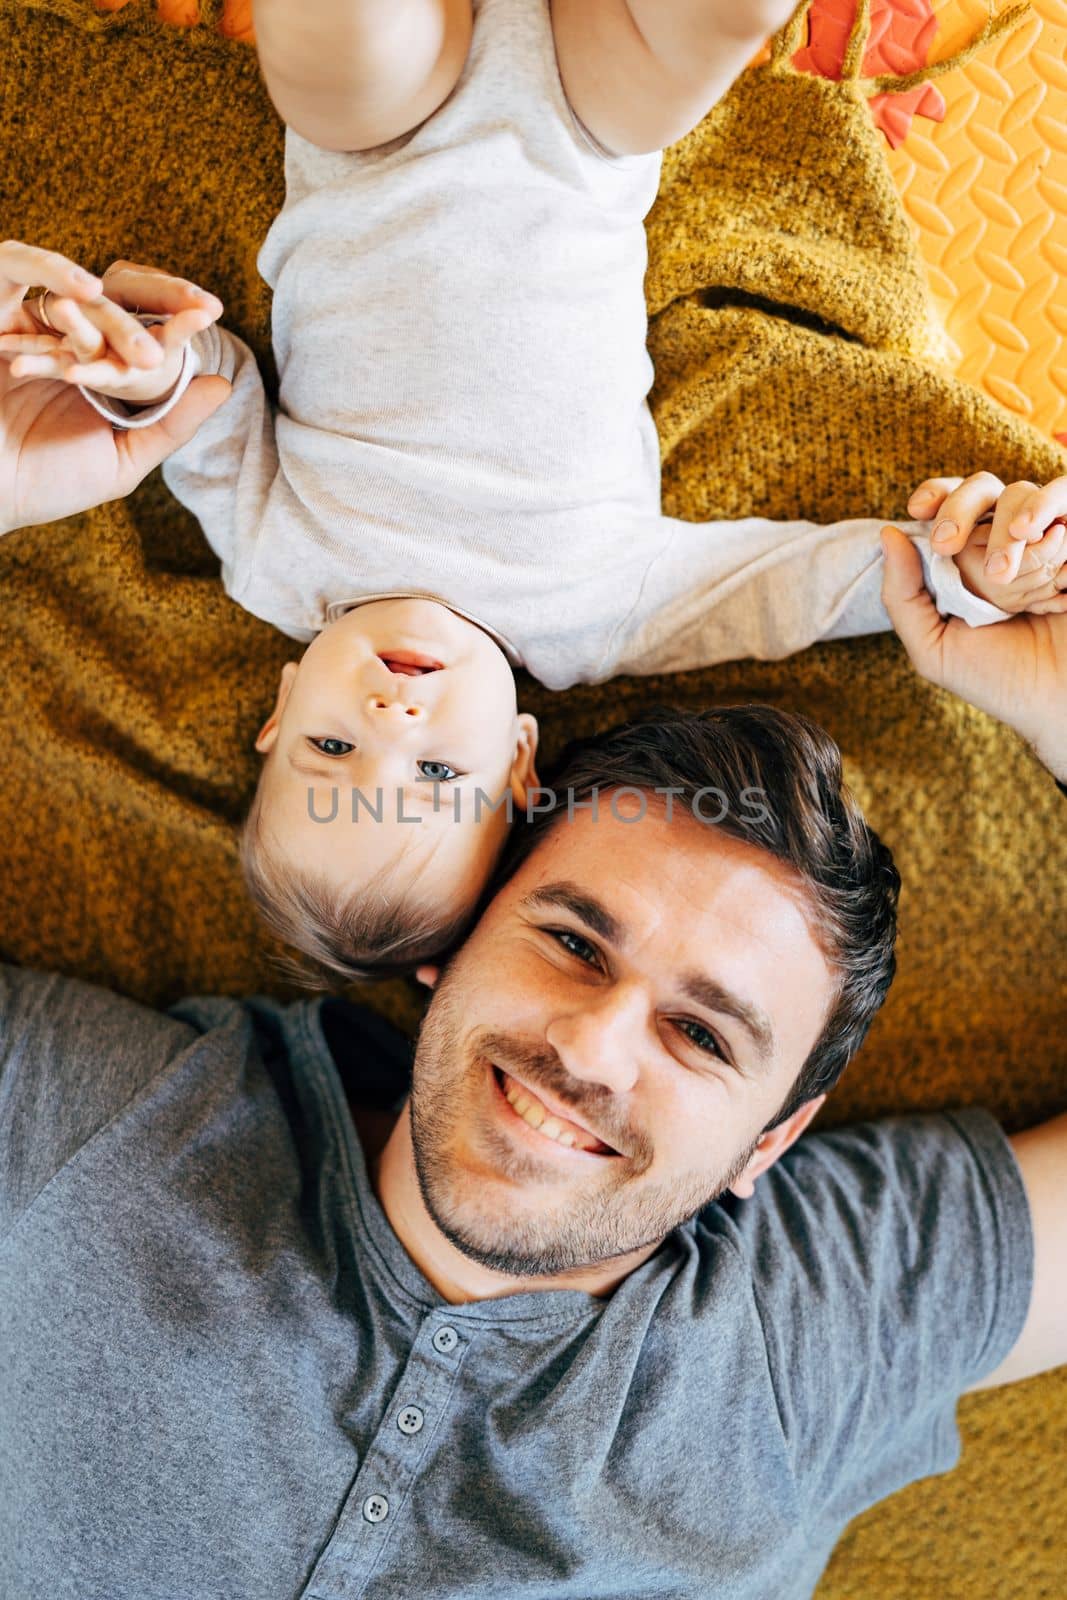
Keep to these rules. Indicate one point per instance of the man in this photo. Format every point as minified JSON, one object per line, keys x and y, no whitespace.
{"x":271,"y":1328}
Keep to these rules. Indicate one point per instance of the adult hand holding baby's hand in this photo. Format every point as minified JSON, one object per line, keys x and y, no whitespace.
{"x":1008,"y":541}
{"x":97,"y":340}
{"x":57,"y":455}
{"x":1014,"y":670}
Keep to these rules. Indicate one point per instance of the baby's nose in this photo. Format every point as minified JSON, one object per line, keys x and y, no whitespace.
{"x":381,"y":705}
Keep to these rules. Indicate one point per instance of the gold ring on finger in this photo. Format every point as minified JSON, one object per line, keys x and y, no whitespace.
{"x":40,"y":307}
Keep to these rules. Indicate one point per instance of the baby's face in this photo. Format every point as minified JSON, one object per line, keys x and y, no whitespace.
{"x":388,"y":748}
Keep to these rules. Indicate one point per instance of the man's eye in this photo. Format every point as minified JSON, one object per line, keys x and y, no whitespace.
{"x":702,"y":1037}
{"x":574,"y":944}
{"x":437,"y":771}
{"x":331,"y":747}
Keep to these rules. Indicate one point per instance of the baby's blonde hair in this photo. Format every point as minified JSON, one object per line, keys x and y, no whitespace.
{"x":333,"y":934}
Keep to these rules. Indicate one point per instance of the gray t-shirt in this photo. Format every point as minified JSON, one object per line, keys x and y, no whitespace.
{"x":221,"y":1375}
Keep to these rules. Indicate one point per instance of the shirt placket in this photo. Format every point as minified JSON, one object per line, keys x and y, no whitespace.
{"x":396,"y":1454}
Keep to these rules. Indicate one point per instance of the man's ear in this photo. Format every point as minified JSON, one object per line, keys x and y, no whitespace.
{"x":269,"y":731}
{"x":523,"y":771}
{"x":774,"y":1143}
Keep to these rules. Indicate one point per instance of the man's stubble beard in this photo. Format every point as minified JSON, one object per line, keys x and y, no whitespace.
{"x":590,"y":1226}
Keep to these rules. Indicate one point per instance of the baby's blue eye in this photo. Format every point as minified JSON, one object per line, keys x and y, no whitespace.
{"x":331,"y":747}
{"x":436,"y":771}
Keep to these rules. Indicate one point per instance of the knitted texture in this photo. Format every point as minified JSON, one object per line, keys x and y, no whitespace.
{"x":795,"y":351}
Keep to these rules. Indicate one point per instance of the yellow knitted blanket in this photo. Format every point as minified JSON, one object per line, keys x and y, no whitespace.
{"x":796,"y":352}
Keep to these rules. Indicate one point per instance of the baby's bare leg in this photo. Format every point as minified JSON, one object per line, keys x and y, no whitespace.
{"x":641,"y":73}
{"x":352,"y":74}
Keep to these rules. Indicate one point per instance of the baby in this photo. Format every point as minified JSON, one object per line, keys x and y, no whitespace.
{"x":462,"y":473}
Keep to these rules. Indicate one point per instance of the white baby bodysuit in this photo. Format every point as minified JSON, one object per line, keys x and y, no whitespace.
{"x":460,"y":331}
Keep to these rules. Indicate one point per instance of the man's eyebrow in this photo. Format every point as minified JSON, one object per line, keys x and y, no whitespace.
{"x":697,"y":986}
{"x":714,"y":996}
{"x":569,"y":897}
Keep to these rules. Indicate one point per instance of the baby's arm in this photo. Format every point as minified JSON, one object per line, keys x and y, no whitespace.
{"x":732,"y":591}
{"x":353,"y":74}
{"x":227,"y":472}
{"x":57,"y":456}
{"x":641,"y":73}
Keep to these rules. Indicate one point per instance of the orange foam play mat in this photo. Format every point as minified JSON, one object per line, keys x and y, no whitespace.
{"x":980,"y":158}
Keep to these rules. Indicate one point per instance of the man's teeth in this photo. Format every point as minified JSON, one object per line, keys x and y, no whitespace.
{"x":533,"y":1112}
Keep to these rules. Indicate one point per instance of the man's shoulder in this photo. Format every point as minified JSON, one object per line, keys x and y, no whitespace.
{"x":73,"y":1057}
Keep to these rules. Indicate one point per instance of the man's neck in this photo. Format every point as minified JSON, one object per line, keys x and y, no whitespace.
{"x":390,"y":1161}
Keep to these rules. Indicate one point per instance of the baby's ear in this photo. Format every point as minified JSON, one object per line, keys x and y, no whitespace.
{"x":523,"y":771}
{"x":267,"y":735}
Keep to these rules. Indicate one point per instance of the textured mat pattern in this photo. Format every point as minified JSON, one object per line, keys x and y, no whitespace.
{"x":986,"y":189}
{"x":133,"y":688}
{"x":980,"y":159}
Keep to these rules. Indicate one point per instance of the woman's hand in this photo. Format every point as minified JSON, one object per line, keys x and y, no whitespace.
{"x":96,"y":340}
{"x":57,"y":455}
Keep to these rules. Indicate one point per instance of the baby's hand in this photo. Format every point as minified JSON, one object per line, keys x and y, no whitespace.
{"x":99,"y":342}
{"x":1010,"y":543}
{"x":1040,"y":582}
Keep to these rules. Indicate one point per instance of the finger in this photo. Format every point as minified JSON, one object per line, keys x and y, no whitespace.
{"x":124,"y":336}
{"x":962,"y":508}
{"x":108,"y":376}
{"x":1047,"y":554}
{"x":80,"y":337}
{"x":149,"y":289}
{"x":907,"y":600}
{"x":13,"y":344}
{"x":53,"y":366}
{"x":23,"y":266}
{"x":1039,"y":508}
{"x":1050,"y":608}
{"x":1004,"y":553}
{"x":1039,"y":567}
{"x":1048,"y":572}
{"x":179,"y":329}
{"x":926,"y":499}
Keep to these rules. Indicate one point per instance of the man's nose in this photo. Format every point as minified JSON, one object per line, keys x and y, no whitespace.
{"x":602,"y":1037}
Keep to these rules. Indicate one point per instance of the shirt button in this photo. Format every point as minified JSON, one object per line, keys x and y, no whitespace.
{"x":410,"y":1419}
{"x":445,"y":1340}
{"x":376,"y":1508}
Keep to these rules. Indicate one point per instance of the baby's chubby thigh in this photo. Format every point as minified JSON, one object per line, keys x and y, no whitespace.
{"x":350,"y":75}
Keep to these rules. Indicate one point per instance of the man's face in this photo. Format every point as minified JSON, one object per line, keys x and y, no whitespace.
{"x":647,"y":992}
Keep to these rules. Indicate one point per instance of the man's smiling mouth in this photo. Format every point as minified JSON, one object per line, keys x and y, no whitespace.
{"x":547,"y":1122}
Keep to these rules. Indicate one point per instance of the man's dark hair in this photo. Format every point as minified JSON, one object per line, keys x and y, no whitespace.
{"x":803,"y":815}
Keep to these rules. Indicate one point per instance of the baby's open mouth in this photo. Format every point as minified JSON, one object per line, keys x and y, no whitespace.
{"x":409,"y":663}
